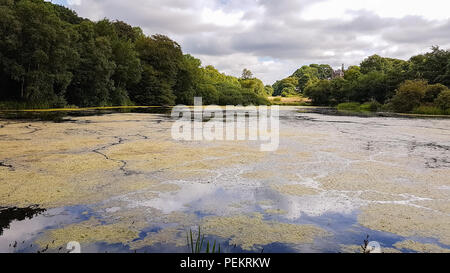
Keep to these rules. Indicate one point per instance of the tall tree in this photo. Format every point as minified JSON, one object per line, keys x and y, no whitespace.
{"x":246,"y":74}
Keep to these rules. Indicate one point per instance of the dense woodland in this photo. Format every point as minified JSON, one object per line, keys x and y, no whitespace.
{"x":50,"y":57}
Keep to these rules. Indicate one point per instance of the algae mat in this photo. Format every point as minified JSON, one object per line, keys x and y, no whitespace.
{"x":118,"y":182}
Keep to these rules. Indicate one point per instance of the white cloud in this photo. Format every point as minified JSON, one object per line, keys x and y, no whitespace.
{"x":74,"y":2}
{"x":220,"y":18}
{"x":431,"y":9}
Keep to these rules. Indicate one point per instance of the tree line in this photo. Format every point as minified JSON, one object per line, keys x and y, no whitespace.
{"x":51,"y":57}
{"x":420,"y":84}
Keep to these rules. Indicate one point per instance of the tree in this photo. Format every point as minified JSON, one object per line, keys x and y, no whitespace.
{"x":268,"y":90}
{"x":305,"y":75}
{"x":92,"y":82}
{"x":319,"y":92}
{"x":353,"y":73}
{"x":443,"y":100}
{"x":188,"y":80}
{"x":126,"y":32}
{"x":374,"y":63}
{"x":36,"y":52}
{"x":50,"y":57}
{"x":290,"y":83}
{"x":162,"y":59}
{"x":371,"y":86}
{"x":324,"y":71}
{"x":433,"y":91}
{"x":208,"y":93}
{"x":339,"y":91}
{"x":409,"y":95}
{"x":433,"y":66}
{"x":246,"y":74}
{"x":254,"y":85}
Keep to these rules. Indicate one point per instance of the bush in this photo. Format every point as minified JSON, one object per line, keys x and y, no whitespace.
{"x":372,"y":106}
{"x":433,"y":91}
{"x":319,"y":92}
{"x":428,"y":110}
{"x":443,"y":100}
{"x":409,"y":96}
{"x":349,"y":106}
{"x":288,"y":92}
{"x":20,"y":105}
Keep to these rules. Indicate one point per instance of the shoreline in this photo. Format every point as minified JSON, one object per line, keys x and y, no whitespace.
{"x":324,"y":110}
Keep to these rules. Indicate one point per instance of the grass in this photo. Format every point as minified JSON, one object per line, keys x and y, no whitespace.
{"x":430,"y":110}
{"x":196,"y":246}
{"x":349,"y":106}
{"x":371,"y":106}
{"x":17,"y":105}
{"x":290,"y":101}
{"x":72,"y":108}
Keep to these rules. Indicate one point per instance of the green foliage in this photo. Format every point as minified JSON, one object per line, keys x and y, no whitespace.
{"x":288,"y":92}
{"x":290,"y":84}
{"x":319,"y":92}
{"x":196,"y":243}
{"x":188,"y":80}
{"x":312,"y":73}
{"x":433,"y":66}
{"x":232,"y":95}
{"x":246,"y":74}
{"x":409,"y":95}
{"x":377,"y":79}
{"x":268,"y":90}
{"x":433,"y":91}
{"x":430,"y":110}
{"x":254,"y":85}
{"x":353,"y":73}
{"x":349,"y":106}
{"x":372,"y":106}
{"x":36,"y":52}
{"x":371,"y":86}
{"x":51,"y":57}
{"x":209,"y":93}
{"x":443,"y":100}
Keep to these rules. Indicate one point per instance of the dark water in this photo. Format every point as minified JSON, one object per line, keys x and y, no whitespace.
{"x":7,"y":215}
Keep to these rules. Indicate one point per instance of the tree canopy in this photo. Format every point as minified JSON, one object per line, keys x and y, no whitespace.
{"x":402,"y":85}
{"x":50,"y":57}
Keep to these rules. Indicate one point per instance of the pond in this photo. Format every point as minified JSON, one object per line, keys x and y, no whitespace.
{"x":116,"y":181}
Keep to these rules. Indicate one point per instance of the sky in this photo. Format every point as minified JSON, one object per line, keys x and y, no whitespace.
{"x":273,"y":38}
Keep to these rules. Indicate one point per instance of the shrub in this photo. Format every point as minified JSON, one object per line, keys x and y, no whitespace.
{"x":349,"y":106}
{"x":371,"y":106}
{"x":319,"y":92}
{"x":433,"y":91}
{"x":428,"y":110}
{"x":20,"y":105}
{"x":443,"y":100}
{"x":409,"y":96}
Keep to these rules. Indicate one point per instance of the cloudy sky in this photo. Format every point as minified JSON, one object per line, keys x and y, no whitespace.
{"x":274,"y":37}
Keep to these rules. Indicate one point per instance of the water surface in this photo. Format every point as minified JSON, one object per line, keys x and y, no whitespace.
{"x":117,"y":182}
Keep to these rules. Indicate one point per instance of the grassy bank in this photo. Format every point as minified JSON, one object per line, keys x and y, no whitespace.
{"x":357,"y":107}
{"x":290,"y":101}
{"x":376,"y":107}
